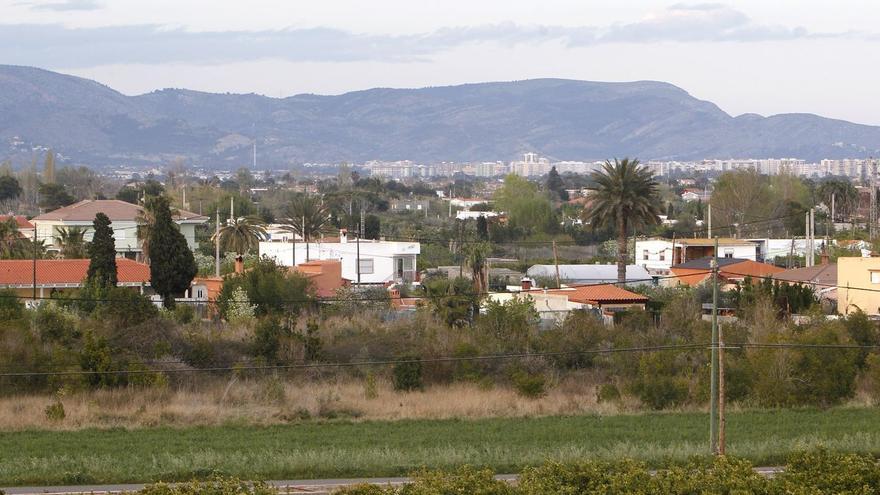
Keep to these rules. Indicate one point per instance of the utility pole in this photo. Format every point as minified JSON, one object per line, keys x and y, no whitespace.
{"x":556,"y":262}
{"x":807,"y":239}
{"x":710,"y":223}
{"x":358,"y":256}
{"x":713,"y":383}
{"x":721,"y":420}
{"x":217,"y":246}
{"x":35,"y":265}
{"x":812,"y":237}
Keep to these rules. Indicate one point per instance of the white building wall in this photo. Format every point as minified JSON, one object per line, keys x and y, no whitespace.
{"x":385,"y":258}
{"x":654,"y":254}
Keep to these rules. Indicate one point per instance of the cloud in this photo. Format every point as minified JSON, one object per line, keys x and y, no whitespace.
{"x":63,"y":5}
{"x":56,"y":46}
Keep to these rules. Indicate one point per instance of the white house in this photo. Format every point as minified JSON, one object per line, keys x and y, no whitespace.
{"x":123,"y":217}
{"x":654,"y":254}
{"x":379,"y":261}
{"x":661,"y":254}
{"x":473,"y":215}
{"x":591,"y":274}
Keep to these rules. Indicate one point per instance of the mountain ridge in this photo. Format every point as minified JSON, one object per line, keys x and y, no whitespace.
{"x":564,"y":119}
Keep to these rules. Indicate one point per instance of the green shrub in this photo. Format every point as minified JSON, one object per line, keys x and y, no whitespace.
{"x":184,"y":313}
{"x":267,"y":338}
{"x":124,"y":307}
{"x":465,"y":480}
{"x":216,"y":486}
{"x":56,"y":324}
{"x":872,"y":373}
{"x":408,"y":374}
{"x":607,"y":392}
{"x":371,"y":391}
{"x":823,"y":471}
{"x":587,"y":478}
{"x":366,"y":489}
{"x":529,"y":384}
{"x":11,"y":307}
{"x":55,"y":411}
{"x":311,"y":340}
{"x":659,"y":383}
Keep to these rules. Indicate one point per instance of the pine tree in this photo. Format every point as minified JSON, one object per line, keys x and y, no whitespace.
{"x":102,"y":251}
{"x":372,"y":227}
{"x":556,"y":185}
{"x":172,"y":265}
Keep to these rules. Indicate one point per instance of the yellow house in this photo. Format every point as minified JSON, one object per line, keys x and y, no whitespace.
{"x":858,"y":285}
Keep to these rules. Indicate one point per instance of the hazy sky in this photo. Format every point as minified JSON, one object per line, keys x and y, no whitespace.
{"x":756,"y":56}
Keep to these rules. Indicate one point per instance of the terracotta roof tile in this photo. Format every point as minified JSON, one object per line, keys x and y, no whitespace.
{"x":116,"y":210}
{"x":66,"y":272}
{"x":20,"y":220}
{"x":597,"y":294}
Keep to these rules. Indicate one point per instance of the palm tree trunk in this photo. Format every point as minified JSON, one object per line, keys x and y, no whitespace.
{"x":621,"y":248}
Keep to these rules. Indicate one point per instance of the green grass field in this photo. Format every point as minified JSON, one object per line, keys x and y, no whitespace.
{"x":340,"y":449}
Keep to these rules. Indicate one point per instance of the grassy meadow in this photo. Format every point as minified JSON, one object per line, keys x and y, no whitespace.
{"x":313,"y":449}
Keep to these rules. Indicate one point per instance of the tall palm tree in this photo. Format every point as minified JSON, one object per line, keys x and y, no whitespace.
{"x":623,"y":196}
{"x":12,"y":244}
{"x":307,"y":217}
{"x":241,"y":234}
{"x":476,"y":256}
{"x":73,"y":243}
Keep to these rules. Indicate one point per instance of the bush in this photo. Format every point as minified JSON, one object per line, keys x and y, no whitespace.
{"x":267,"y":338}
{"x":408,"y":374}
{"x":55,"y":411}
{"x":659,"y":383}
{"x":11,"y":307}
{"x":216,"y":486}
{"x":56,"y":324}
{"x":271,"y":288}
{"x":184,"y":314}
{"x":607,"y":392}
{"x":531,"y":385}
{"x":124,"y":307}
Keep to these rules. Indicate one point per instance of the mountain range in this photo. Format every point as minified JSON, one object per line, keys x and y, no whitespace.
{"x":90,"y":123}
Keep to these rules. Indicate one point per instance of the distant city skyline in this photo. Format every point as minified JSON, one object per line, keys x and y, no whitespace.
{"x":747,"y":56}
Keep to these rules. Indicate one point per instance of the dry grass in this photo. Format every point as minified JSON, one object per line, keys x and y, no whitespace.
{"x":274,"y":401}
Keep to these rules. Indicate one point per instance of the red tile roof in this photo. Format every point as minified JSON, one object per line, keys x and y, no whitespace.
{"x":20,"y":220}
{"x":116,"y":210}
{"x":598,"y":294}
{"x":66,"y":272}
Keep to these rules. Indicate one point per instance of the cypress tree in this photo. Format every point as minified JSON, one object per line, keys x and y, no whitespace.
{"x":172,"y":265}
{"x":102,"y":251}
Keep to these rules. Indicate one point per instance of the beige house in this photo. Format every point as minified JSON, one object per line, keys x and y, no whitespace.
{"x":123,"y":217}
{"x":858,"y":285}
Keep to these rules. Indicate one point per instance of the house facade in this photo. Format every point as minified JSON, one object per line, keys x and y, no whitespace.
{"x":858,"y":285}
{"x":123,"y":217}
{"x":364,"y":262}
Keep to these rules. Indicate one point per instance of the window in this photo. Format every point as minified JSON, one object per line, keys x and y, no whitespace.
{"x":644,"y":254}
{"x":728,"y":253}
{"x":366,"y":266}
{"x":663,"y":255}
{"x":875,"y":277}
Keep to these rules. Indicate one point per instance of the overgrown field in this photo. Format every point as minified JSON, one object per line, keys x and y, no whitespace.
{"x":342,"y":449}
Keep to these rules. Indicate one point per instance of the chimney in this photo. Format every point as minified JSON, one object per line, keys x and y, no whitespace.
{"x":239,"y":264}
{"x":343,"y":236}
{"x":824,"y":257}
{"x":526,"y":283}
